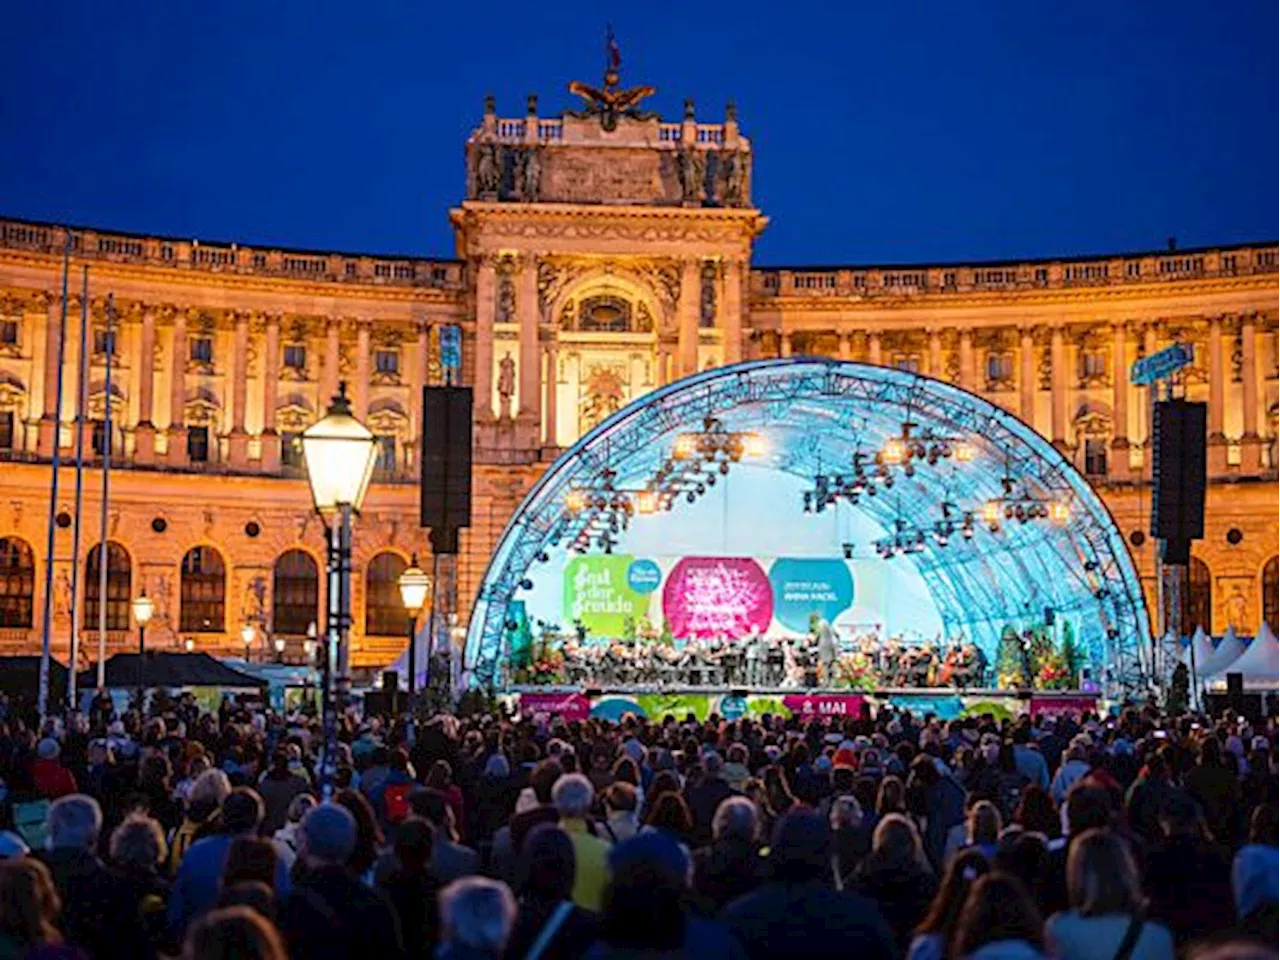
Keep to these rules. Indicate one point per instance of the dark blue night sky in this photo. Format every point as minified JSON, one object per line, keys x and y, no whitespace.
{"x":884,"y":132}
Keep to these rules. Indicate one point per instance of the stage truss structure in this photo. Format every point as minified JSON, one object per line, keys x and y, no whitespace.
{"x":812,"y":415}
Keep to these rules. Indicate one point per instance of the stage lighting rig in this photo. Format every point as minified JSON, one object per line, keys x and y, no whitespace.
{"x":910,"y":448}
{"x":907,"y":539}
{"x":716,"y":446}
{"x":1017,"y":504}
{"x":867,"y":477}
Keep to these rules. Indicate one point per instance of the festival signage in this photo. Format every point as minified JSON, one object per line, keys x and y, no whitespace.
{"x":717,"y":596}
{"x":598,"y":593}
{"x":825,"y":704}
{"x":644,"y":576}
{"x":805,"y":587}
{"x":567,"y":706}
{"x":1058,"y":706}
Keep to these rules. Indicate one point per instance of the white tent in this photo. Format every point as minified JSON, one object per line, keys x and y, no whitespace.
{"x":1260,"y":662}
{"x":1230,"y":647}
{"x":1203,"y":647}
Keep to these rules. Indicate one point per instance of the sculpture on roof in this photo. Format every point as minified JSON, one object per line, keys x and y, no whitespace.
{"x":613,"y":101}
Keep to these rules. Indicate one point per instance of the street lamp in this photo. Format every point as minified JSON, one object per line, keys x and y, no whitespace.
{"x":309,"y":644}
{"x":414,"y":587}
{"x":279,"y":649}
{"x":339,"y":452}
{"x":247,"y":634}
{"x":143,"y":608}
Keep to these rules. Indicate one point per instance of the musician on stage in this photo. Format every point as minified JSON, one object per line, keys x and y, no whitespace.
{"x":826,"y":649}
{"x":755,"y":658}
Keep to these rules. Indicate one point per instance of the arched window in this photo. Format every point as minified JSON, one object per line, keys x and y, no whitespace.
{"x":295,"y":594}
{"x":17,"y":583}
{"x":204,"y":592}
{"x":1271,"y":592}
{"x":119,"y":587}
{"x":384,"y":613}
{"x":1199,"y":603}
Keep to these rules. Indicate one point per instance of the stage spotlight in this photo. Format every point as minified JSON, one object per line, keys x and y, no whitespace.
{"x":894,"y":451}
{"x":691,"y":496}
{"x":685,"y":447}
{"x":963,"y":451}
{"x":646,"y":501}
{"x":724,"y":466}
{"x":754,"y":445}
{"x":575,"y":501}
{"x":1091,"y":565}
{"x":542,"y":557}
{"x":888,"y":484}
{"x":848,"y":551}
{"x":871,"y":490}
{"x":991,"y":514}
{"x":1060,"y":511}
{"x":701,"y":489}
{"x":711,"y":480}
{"x":526,"y":584}
{"x":1112,"y":633}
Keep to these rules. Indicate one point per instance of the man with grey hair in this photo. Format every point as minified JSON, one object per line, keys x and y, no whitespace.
{"x":330,"y":913}
{"x":572,"y":796}
{"x":476,"y":918}
{"x":92,"y":907}
{"x":704,"y":794}
{"x":730,"y":867}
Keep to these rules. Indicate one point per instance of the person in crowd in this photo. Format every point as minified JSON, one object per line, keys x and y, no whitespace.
{"x":52,"y":779}
{"x":476,"y":917}
{"x":202,"y":817}
{"x":154,"y":793}
{"x":1254,"y":873}
{"x":997,"y":922}
{"x":982,"y":827}
{"x":572,"y":796}
{"x":253,"y":894}
{"x":730,"y":867}
{"x":735,"y":772}
{"x":548,"y":923}
{"x":621,"y":821}
{"x":440,"y":778}
{"x":1024,"y":855}
{"x":411,"y":889}
{"x":1037,"y":813}
{"x":800,"y":912}
{"x":1214,"y":784}
{"x":704,"y":794}
{"x":450,"y":860}
{"x":298,"y":807}
{"x":495,"y":798}
{"x":1074,"y":767}
{"x":250,"y":860}
{"x":672,"y":815}
{"x":330,"y":914}
{"x":278,"y":787}
{"x":930,"y":937}
{"x":851,"y":833}
{"x":234,"y":933}
{"x":1107,"y":914}
{"x":91,"y":905}
{"x":896,"y":876}
{"x":891,"y":797}
{"x":369,"y":836}
{"x":1188,"y":874}
{"x":934,"y":795}
{"x":389,"y":800}
{"x":137,"y":851}
{"x":29,"y":908}
{"x":1028,"y":759}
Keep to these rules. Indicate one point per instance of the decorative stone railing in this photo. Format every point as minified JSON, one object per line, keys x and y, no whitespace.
{"x":233,"y":258}
{"x":512,"y":131}
{"x":1038,"y":275}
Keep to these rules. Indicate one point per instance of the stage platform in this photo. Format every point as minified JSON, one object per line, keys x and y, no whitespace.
{"x":655,"y":702}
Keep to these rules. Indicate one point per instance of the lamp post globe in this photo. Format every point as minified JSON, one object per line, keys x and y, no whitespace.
{"x":247,"y":633}
{"x":143,"y":609}
{"x":414,"y":585}
{"x":339,"y":452}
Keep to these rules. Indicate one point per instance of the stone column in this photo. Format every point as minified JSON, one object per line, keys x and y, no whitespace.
{"x":177,"y":455}
{"x":486,"y":282}
{"x":329,"y":375}
{"x":784,"y":344}
{"x":966,"y":360}
{"x":144,"y":434}
{"x":551,"y":438}
{"x":1118,"y":462}
{"x":50,"y":430}
{"x":1027,"y":376}
{"x":873,"y":349}
{"x":935,"y":355}
{"x":731,"y":304}
{"x":1250,"y":442}
{"x":1150,"y":344}
{"x":690,"y":304}
{"x":845,"y":351}
{"x":270,"y":388}
{"x":1058,"y":360}
{"x":364,"y":329}
{"x":1217,"y":436}
{"x":528,"y":315}
{"x":238,"y":440}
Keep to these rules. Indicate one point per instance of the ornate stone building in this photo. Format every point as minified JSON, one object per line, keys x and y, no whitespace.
{"x":601,"y":254}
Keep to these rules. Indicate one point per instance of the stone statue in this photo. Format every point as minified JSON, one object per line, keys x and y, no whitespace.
{"x":691,"y":168}
{"x":1236,"y":607}
{"x":531,"y":174}
{"x":612,"y":101}
{"x":734,"y":165}
{"x":506,"y":382}
{"x":488,"y":171}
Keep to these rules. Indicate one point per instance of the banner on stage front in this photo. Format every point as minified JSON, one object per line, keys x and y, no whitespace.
{"x":566,"y":706}
{"x":824,"y":704}
{"x":1058,"y":706}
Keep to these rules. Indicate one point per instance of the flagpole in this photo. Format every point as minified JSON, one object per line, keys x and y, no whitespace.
{"x":82,"y":402}
{"x":103,"y":552}
{"x":42,"y":697}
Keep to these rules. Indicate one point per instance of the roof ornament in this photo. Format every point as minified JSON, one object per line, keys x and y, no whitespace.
{"x":612,"y":102}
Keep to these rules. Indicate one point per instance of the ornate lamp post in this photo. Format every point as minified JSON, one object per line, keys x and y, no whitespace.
{"x":279,"y":645}
{"x":414,"y":587}
{"x":339,"y":452}
{"x":143,"y":608}
{"x":247,"y":633}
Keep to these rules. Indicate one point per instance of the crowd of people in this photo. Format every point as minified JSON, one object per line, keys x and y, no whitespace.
{"x":219,"y":836}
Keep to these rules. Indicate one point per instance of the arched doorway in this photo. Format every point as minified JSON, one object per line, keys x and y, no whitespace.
{"x":17,"y":583}
{"x":1198,"y":606}
{"x":119,"y":587}
{"x":295,"y":593}
{"x":204,"y":592}
{"x":384,"y":613}
{"x":1271,"y":592}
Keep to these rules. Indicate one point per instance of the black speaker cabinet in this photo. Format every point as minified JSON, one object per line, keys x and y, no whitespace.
{"x":1178,"y":475}
{"x":446,"y":464}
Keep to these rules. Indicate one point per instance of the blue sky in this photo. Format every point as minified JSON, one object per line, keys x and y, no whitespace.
{"x":884,"y":132}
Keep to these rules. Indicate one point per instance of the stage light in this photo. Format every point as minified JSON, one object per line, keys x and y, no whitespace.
{"x":526,"y":584}
{"x":991,"y":513}
{"x":1060,"y":511}
{"x":575,"y":501}
{"x":646,"y":502}
{"x":685,"y":447}
{"x":754,"y":445}
{"x":690,"y":496}
{"x":963,"y":451}
{"x":542,"y":557}
{"x":894,"y":451}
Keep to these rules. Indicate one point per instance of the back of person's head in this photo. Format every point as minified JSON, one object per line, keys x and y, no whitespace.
{"x":73,"y":822}
{"x":572,"y":795}
{"x":643,"y":905}
{"x":962,"y":872}
{"x":477,"y":913}
{"x":846,"y":812}
{"x":299,"y":806}
{"x":984,"y":823}
{"x":380,"y":756}
{"x":413,"y":842}
{"x":1102,"y":877}
{"x":1023,"y":854}
{"x":1088,"y":808}
{"x":671,"y":813}
{"x":1180,"y":815}
{"x":548,"y":864}
{"x":897,"y":841}
{"x":250,"y":859}
{"x":736,"y":819}
{"x":328,"y":835}
{"x":399,"y":760}
{"x":209,"y":788}
{"x":439,"y":775}
{"x":138,"y":843}
{"x":801,"y":847}
{"x":233,"y":933}
{"x":242,"y":811}
{"x":891,"y":797}
{"x":1263,"y":828}
{"x":1036,"y":811}
{"x":543,"y":779}
{"x":368,"y":834}
{"x":620,"y":797}
{"x":843,"y":779}
{"x":29,"y":902}
{"x":254,"y":894}
{"x":997,"y":909}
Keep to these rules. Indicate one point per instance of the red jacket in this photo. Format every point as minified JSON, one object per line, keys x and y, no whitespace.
{"x":52,"y":779}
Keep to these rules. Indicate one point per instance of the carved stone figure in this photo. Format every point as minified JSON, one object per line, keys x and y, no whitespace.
{"x":531,"y":174}
{"x":506,"y":382}
{"x":691,"y":167}
{"x":612,"y":102}
{"x":734,"y":165}
{"x":488,"y":171}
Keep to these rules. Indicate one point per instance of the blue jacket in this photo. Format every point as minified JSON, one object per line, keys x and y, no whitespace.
{"x":199,"y":879}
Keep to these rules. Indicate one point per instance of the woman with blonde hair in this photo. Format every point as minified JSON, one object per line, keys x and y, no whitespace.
{"x":29,"y":905}
{"x":896,"y":875}
{"x":234,"y":933}
{"x":1107,"y":905}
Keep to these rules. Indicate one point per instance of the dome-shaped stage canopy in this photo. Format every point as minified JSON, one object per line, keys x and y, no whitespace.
{"x":1002,"y":529}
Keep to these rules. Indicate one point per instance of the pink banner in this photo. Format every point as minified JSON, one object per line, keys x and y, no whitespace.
{"x":1057,"y":706}
{"x":824,"y":704}
{"x":717,"y":597}
{"x":567,"y":706}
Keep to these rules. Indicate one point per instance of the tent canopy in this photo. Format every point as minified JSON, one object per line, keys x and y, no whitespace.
{"x":171,"y":670}
{"x":1259,"y":664}
{"x":20,"y":676}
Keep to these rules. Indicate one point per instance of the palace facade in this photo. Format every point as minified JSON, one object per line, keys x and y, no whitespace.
{"x":600,"y":254}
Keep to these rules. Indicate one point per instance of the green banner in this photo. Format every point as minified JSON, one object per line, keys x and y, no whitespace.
{"x":597,"y":594}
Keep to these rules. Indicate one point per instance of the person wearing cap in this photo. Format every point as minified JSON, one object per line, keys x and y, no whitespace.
{"x":330,"y":913}
{"x":801,"y":912}
{"x":52,"y":779}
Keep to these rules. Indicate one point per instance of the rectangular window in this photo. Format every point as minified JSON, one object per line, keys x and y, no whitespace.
{"x":7,"y":438}
{"x":99,"y":438}
{"x":387,"y":361}
{"x":9,"y":332}
{"x":1095,"y":457}
{"x":386,"y":453}
{"x":907,"y":363}
{"x":291,"y":449}
{"x":295,"y":356}
{"x":202,"y":349}
{"x":999,"y":367}
{"x":198,"y":444}
{"x":1093,"y":363}
{"x":104,"y":342}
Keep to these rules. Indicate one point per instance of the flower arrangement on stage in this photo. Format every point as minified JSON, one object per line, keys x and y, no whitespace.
{"x":548,"y":667}
{"x":853,"y":672}
{"x":1054,"y":675}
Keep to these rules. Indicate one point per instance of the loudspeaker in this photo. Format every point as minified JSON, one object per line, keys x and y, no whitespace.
{"x":1235,"y":691}
{"x":1048,"y":616}
{"x":446,"y":464}
{"x":1178,"y":476}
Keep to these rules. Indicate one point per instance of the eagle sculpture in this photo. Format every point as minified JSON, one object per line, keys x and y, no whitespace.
{"x":612,"y":102}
